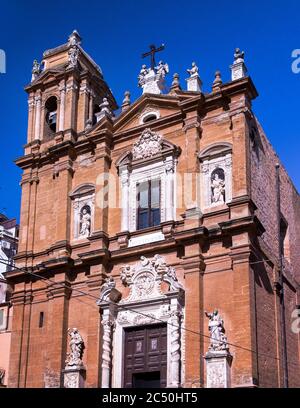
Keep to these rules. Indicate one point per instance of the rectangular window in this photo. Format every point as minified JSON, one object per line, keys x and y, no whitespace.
{"x":148,"y":204}
{"x":41,"y":320}
{"x":3,"y":318}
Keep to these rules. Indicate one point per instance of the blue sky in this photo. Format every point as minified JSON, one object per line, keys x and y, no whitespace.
{"x":115,"y":33}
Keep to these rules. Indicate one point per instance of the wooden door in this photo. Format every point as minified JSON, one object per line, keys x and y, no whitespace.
{"x":145,"y":362}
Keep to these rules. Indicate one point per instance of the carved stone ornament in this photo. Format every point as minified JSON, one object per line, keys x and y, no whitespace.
{"x":51,"y":379}
{"x":108,"y":285}
{"x":149,"y":144}
{"x":74,"y":358}
{"x":144,"y":279}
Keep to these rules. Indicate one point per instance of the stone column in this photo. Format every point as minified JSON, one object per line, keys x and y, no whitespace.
{"x":193,"y":269}
{"x":91,"y":105}
{"x":62,"y":89}
{"x":71,"y":105}
{"x":125,"y":199}
{"x":83,"y":105}
{"x":174,"y":334}
{"x":244,"y":322}
{"x":169,"y":192}
{"x":62,"y":188}
{"x":106,"y":349}
{"x":30,"y":129}
{"x":38,"y":107}
{"x":19,"y":323}
{"x":58,"y":314}
{"x":240,"y":156}
{"x":94,"y":336}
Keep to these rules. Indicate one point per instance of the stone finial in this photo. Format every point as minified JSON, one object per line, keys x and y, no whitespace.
{"x":217,"y":81}
{"x":175,"y":83}
{"x":238,"y":68}
{"x":194,"y":82}
{"x":74,"y":39}
{"x":105,"y":110}
{"x":126,"y":101}
{"x":36,"y":70}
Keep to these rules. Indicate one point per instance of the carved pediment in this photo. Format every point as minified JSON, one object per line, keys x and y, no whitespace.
{"x":144,"y":279}
{"x":149,"y":144}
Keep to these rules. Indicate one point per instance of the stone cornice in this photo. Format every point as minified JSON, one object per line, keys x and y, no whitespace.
{"x":250,"y":223}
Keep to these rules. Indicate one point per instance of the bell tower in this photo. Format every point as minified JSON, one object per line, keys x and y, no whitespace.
{"x":64,"y":94}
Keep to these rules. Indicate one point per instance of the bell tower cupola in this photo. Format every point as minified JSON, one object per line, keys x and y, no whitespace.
{"x":65,"y":92}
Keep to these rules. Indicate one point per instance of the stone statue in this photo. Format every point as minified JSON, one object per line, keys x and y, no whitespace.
{"x":193,"y":71}
{"x":218,"y":189}
{"x":218,"y":340}
{"x":85,"y":222}
{"x":74,"y":358}
{"x":73,"y":56}
{"x":36,"y":70}
{"x":238,"y":56}
{"x":162,"y":69}
{"x":143,"y":72}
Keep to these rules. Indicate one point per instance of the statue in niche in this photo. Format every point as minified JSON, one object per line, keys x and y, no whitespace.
{"x":218,"y":340}
{"x":85,"y":221}
{"x":218,"y":187}
{"x":76,"y":348}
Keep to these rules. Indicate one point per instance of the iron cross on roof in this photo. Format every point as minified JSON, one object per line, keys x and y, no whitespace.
{"x":152,"y":52}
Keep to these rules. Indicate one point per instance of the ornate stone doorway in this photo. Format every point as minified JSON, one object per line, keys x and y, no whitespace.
{"x":147,"y":305}
{"x":145,"y":354}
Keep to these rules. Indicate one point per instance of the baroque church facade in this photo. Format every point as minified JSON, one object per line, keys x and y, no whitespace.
{"x":159,"y":246}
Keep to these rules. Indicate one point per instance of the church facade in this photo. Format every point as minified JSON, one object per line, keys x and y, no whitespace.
{"x":159,"y":246}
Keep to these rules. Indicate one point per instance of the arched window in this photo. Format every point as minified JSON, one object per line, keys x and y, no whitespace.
{"x":149,"y":116}
{"x":50,"y":116}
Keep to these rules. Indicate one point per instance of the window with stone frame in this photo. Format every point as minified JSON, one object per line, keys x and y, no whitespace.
{"x":216,"y":175}
{"x":83,"y":201}
{"x":147,"y":178}
{"x":148,"y":206}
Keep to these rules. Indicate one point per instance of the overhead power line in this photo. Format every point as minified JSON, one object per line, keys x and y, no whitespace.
{"x":126,"y":307}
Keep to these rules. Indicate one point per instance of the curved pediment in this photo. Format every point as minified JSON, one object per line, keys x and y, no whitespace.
{"x":215,"y":149}
{"x":82,"y":189}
